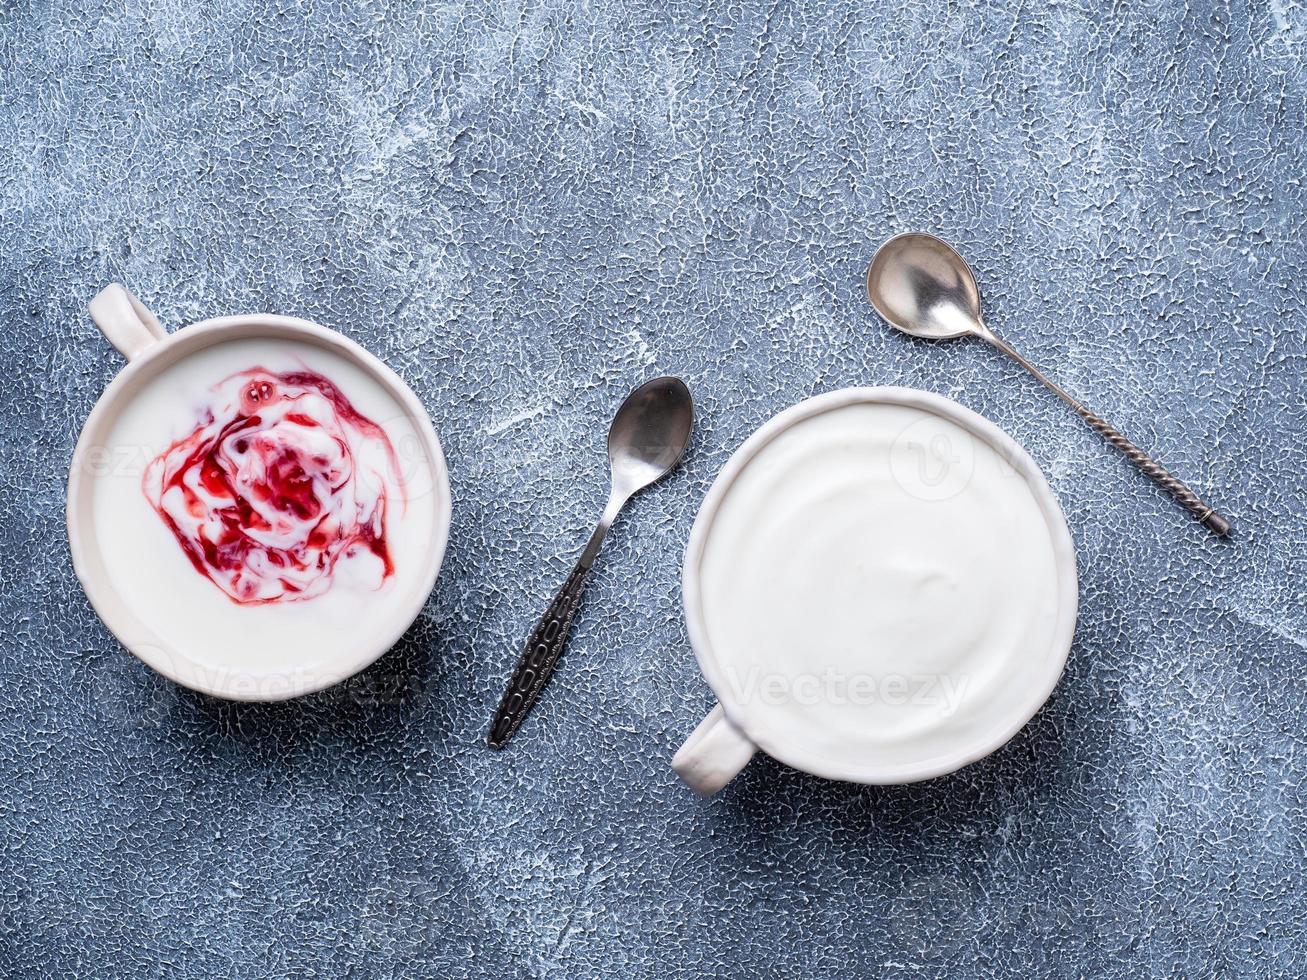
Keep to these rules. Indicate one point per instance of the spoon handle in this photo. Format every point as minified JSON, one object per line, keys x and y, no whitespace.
{"x":536,"y":665}
{"x":1205,"y":515}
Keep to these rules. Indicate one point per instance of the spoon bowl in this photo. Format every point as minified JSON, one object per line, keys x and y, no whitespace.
{"x":649,"y":433}
{"x":921,"y":285}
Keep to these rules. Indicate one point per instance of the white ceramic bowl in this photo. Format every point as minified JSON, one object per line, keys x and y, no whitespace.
{"x":149,"y":351}
{"x":734,"y":730}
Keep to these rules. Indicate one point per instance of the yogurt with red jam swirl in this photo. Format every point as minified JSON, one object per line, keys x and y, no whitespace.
{"x":280,"y":481}
{"x":263,"y":504}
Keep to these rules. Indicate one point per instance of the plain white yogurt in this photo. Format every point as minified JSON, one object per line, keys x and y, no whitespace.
{"x":878,"y":586}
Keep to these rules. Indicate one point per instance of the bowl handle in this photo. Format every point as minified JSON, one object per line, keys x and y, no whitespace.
{"x":125,"y":321}
{"x":713,"y":755}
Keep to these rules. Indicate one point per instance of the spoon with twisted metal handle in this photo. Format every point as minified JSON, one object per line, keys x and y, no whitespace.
{"x":922,"y":285}
{"x":646,"y":440}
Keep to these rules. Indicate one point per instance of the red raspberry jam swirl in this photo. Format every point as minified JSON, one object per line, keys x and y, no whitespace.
{"x":281,"y":481}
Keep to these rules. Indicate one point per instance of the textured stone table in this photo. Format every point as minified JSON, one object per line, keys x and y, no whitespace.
{"x":527,"y":210}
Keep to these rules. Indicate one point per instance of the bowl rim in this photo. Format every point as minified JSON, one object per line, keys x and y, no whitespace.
{"x":118,"y":616}
{"x":1063,"y":557}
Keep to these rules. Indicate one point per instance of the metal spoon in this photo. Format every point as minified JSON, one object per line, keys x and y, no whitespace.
{"x":921,"y":285}
{"x":646,"y":440}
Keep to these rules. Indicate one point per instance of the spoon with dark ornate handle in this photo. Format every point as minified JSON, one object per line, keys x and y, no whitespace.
{"x":646,"y":440}
{"x":922,"y":285}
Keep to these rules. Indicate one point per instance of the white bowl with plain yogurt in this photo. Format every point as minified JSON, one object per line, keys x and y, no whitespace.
{"x":879,"y":587}
{"x":258,"y":508}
